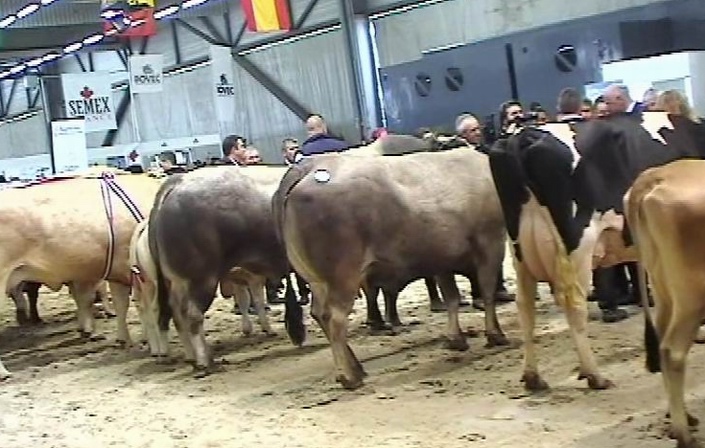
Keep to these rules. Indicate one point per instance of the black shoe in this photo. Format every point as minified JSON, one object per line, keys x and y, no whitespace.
{"x":614,"y":315}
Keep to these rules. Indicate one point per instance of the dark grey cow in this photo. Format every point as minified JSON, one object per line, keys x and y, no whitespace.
{"x":203,"y":224}
{"x":351,"y":222}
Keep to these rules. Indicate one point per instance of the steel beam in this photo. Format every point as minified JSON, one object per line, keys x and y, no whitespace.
{"x":294,"y":33}
{"x":35,"y":100}
{"x":304,"y":15}
{"x":175,"y":41}
{"x":240,"y":33}
{"x":2,"y":100}
{"x":203,"y":35}
{"x":122,"y":57}
{"x":80,"y":62}
{"x":354,"y":66}
{"x":228,"y":27}
{"x":215,"y":32}
{"x":8,"y":103}
{"x":91,"y":64}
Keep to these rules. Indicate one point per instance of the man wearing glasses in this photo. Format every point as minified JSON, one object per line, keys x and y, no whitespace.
{"x":469,"y":128}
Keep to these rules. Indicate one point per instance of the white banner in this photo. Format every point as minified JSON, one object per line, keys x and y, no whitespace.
{"x":147,"y":73}
{"x":69,"y":145}
{"x":223,"y":78}
{"x":88,"y":95}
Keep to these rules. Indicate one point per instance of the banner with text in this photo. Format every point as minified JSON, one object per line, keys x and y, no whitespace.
{"x":222,"y":85}
{"x":89,"y":95}
{"x":69,"y":145}
{"x":147,"y":73}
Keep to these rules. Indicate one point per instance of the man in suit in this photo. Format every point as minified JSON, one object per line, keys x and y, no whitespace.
{"x":234,"y":150}
{"x":619,"y":101}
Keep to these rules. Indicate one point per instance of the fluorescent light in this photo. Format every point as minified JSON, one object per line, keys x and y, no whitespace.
{"x":191,"y":3}
{"x":47,"y":2}
{"x":50,"y":57}
{"x":169,"y":10}
{"x":7,"y":21}
{"x":34,"y":62}
{"x":70,"y":48}
{"x":17,"y":68}
{"x":137,"y":23}
{"x":5,"y":74}
{"x":90,"y":40}
{"x":27,"y":10}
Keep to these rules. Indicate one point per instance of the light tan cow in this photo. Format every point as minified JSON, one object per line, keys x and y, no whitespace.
{"x":666,"y":214}
{"x":58,"y":233}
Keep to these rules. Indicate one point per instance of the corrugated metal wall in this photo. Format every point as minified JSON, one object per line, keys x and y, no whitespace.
{"x":402,"y":37}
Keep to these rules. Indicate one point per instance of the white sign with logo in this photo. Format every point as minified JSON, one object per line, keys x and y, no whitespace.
{"x":223,"y":78}
{"x":147,"y":73}
{"x":89,"y":95}
{"x":69,"y":145}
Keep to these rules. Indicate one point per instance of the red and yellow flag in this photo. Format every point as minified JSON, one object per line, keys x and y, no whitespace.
{"x":267,"y":15}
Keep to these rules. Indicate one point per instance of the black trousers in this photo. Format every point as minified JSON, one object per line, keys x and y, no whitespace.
{"x":612,"y":284}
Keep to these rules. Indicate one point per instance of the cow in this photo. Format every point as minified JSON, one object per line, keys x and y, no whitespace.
{"x":241,"y":284}
{"x":51,"y":235}
{"x":26,"y":312}
{"x":561,"y":189}
{"x":381,"y":222}
{"x":665,"y":210}
{"x":204,"y":224}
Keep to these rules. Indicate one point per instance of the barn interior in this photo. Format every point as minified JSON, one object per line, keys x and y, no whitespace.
{"x":363,"y":65}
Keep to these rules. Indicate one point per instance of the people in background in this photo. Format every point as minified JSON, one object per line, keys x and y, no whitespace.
{"x":469,"y":128}
{"x":234,"y":150}
{"x":649,"y":99}
{"x":619,"y":101}
{"x":587,"y":109}
{"x":600,"y":108}
{"x":570,"y":103}
{"x":378,"y":133}
{"x":291,"y":151}
{"x":676,"y":105}
{"x":539,"y":112}
{"x":253,"y":157}
{"x":319,"y":141}
{"x":509,"y":113}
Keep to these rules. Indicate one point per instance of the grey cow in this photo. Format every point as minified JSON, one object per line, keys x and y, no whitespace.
{"x":204,"y":223}
{"x":351,"y":222}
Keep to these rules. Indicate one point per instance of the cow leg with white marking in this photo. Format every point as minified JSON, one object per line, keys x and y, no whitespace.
{"x":451,"y":297}
{"x":242,"y":297}
{"x":21,"y":307}
{"x":526,"y":305}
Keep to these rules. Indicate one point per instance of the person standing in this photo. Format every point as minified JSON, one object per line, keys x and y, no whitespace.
{"x":319,"y":141}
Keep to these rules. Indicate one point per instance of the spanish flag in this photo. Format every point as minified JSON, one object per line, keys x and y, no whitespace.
{"x":267,"y":15}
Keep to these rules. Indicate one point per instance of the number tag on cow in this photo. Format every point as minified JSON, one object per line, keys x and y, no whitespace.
{"x":322,"y":176}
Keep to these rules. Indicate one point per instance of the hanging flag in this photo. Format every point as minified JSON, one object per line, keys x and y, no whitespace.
{"x":131,"y":18}
{"x":267,"y":15}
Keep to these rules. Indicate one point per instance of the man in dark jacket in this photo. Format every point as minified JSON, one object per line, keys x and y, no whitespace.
{"x":319,"y":141}
{"x":234,"y":150}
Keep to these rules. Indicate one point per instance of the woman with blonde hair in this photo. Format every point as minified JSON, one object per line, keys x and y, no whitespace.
{"x":683,"y":116}
{"x":675,"y":103}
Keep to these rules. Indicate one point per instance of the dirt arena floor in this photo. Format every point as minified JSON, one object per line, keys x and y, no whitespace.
{"x":69,"y":393}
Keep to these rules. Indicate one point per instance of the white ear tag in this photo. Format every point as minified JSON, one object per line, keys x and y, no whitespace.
{"x":322,"y":176}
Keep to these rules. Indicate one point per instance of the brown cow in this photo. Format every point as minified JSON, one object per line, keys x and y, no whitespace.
{"x":383,"y":222}
{"x":665,"y":210}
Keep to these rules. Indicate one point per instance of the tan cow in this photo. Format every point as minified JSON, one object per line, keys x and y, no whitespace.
{"x":666,"y":213}
{"x":59,"y":233}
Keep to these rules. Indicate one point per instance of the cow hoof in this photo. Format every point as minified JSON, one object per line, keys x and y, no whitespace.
{"x":122,"y":344}
{"x":687,"y":441}
{"x":21,"y":318}
{"x":496,"y":340}
{"x":164,"y":360}
{"x":692,"y":421}
{"x":270,"y":333}
{"x":246,"y":334}
{"x":533,"y":382}
{"x":5,"y":376}
{"x":96,"y":337}
{"x":36,"y":321}
{"x":347,"y":383}
{"x":438,"y":307}
{"x":596,"y":382}
{"x":457,"y":344}
{"x":85,"y":334}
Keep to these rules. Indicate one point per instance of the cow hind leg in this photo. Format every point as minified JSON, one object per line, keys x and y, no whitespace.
{"x":257,"y":293}
{"x":331,"y":308}
{"x":487,"y":275}
{"x":121,"y":299}
{"x":675,"y":344}
{"x":375,"y":321}
{"x":242,"y":297}
{"x":526,"y":306}
{"x":33,"y":296}
{"x":21,"y":309}
{"x":4,"y":373}
{"x":390,"y":307}
{"x":83,"y":294}
{"x":451,"y":296}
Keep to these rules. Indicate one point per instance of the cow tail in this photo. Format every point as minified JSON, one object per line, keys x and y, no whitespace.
{"x":293,"y":312}
{"x":651,"y":338}
{"x":165,"y":312}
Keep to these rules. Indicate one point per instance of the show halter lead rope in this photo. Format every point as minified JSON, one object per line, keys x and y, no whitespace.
{"x":108,"y":184}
